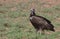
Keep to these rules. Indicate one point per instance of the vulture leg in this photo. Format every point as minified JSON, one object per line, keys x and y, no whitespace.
{"x":38,"y":32}
{"x":36,"y":35}
{"x":46,"y":37}
{"x":42,"y":32}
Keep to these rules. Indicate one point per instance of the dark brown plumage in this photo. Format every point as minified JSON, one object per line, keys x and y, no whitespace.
{"x":40,"y":22}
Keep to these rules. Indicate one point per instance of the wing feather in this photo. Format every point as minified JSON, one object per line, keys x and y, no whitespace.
{"x":38,"y":20}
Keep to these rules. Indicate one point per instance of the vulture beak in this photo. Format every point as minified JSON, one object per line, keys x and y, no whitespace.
{"x":33,"y":10}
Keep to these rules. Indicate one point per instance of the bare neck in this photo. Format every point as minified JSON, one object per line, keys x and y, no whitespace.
{"x":32,"y":14}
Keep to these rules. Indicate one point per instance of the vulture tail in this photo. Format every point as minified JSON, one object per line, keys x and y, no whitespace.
{"x":52,"y":27}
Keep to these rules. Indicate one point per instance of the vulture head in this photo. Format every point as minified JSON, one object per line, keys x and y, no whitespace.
{"x":32,"y":12}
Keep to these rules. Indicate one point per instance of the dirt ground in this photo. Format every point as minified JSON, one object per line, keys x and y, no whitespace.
{"x":45,"y":3}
